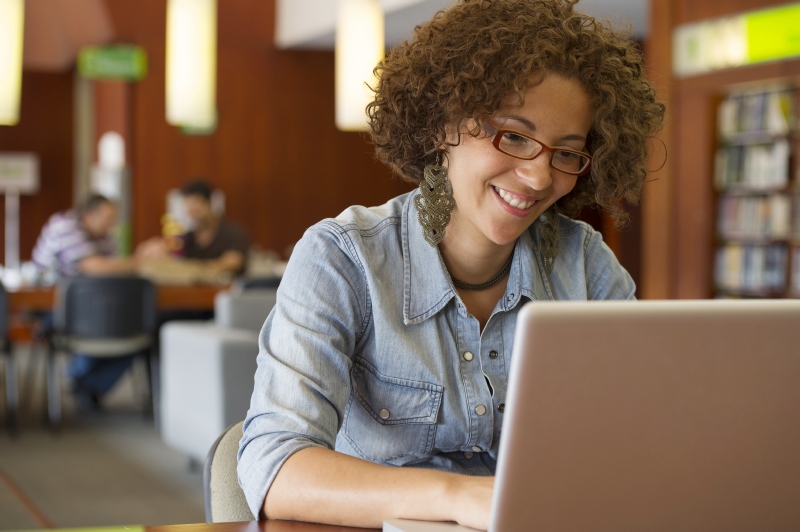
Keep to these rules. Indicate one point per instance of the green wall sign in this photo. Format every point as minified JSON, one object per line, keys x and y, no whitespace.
{"x":771,"y":34}
{"x":126,"y":62}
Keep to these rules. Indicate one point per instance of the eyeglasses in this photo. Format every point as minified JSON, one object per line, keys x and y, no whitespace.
{"x":521,"y":146}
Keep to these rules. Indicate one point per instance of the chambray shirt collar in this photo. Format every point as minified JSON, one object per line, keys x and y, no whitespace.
{"x":427,"y":285}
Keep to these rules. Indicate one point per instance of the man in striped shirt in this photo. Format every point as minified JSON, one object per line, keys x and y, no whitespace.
{"x":77,"y":242}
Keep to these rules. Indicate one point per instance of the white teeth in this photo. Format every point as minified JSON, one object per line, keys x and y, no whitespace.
{"x":511,"y":200}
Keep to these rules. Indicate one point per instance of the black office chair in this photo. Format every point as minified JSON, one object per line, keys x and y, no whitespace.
{"x":11,"y":370}
{"x":99,"y":317}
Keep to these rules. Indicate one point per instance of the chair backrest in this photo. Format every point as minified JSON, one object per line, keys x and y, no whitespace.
{"x":246,"y":310}
{"x":106,"y":307}
{"x":224,"y":499}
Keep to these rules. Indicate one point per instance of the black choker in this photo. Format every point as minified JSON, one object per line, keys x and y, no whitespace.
{"x":488,"y":284}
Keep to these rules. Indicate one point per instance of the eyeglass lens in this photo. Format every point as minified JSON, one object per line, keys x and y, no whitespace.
{"x":520,"y":146}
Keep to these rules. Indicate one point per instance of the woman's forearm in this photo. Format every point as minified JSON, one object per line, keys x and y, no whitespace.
{"x":323,"y":486}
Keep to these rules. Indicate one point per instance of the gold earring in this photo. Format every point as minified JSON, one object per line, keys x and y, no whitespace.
{"x":434,"y":203}
{"x":551,"y":227}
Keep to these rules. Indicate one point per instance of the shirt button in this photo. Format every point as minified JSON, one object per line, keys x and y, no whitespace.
{"x":501,"y":407}
{"x":492,"y":354}
{"x":510,"y":296}
{"x":468,"y":455}
{"x":467,"y":356}
{"x":476,"y":449}
{"x":480,"y":410}
{"x":384,"y":414}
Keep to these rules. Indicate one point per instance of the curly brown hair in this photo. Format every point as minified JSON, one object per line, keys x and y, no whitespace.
{"x":464,"y":63}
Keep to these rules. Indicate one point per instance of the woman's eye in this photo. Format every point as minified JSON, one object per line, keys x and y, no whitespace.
{"x":567,"y":155}
{"x":514,"y":138}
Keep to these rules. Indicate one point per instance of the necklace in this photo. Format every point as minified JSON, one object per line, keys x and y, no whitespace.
{"x":488,"y":284}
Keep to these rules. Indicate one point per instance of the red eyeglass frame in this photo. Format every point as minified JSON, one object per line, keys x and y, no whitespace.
{"x":498,"y":135}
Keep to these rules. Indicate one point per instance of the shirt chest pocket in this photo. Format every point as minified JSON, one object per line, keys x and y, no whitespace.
{"x":389,"y":419}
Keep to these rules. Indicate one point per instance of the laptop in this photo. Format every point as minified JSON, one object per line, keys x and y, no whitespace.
{"x":650,"y":415}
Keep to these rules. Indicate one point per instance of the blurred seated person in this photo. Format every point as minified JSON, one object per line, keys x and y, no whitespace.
{"x":220,"y":244}
{"x":78,"y":242}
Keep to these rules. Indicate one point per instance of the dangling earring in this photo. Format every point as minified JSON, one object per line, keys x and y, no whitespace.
{"x":434,"y":203}
{"x":551,"y":227}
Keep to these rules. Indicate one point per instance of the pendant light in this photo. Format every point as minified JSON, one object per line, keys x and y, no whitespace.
{"x":12,"y":17}
{"x":359,"y":48}
{"x":192,"y":63}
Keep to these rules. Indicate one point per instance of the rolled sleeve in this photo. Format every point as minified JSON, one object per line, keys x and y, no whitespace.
{"x":306,"y":346}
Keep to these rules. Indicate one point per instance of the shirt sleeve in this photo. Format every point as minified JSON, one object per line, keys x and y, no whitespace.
{"x":302,"y":382}
{"x":606,"y":278}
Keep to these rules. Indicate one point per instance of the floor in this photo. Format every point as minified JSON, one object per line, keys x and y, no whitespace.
{"x":103,"y":469}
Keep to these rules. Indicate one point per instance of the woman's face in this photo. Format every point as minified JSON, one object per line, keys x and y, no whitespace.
{"x":486,"y":182}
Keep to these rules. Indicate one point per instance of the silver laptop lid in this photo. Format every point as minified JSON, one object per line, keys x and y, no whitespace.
{"x":669,"y":415}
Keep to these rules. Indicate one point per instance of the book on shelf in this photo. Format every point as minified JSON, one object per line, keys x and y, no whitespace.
{"x":751,"y":267}
{"x":754,"y":217}
{"x":768,"y":111}
{"x":796,"y":272}
{"x":796,"y":210}
{"x":753,"y":166}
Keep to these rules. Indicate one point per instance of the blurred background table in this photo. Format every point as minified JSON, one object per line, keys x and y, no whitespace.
{"x":170,"y":297}
{"x":23,"y":302}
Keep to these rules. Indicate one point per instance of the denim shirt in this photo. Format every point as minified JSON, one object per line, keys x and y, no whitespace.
{"x":370,"y":351}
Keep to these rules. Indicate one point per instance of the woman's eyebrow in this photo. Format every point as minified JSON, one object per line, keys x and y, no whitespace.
{"x":522,"y":120}
{"x":532,"y":127}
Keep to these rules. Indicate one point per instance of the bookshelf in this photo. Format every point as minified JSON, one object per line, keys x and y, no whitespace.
{"x":757,"y":233}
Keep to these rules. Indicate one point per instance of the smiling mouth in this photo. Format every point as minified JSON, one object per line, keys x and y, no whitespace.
{"x":514,"y":200}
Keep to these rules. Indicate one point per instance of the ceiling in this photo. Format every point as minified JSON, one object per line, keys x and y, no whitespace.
{"x":295,"y":28}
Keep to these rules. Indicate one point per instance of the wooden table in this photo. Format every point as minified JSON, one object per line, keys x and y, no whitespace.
{"x":256,"y":526}
{"x":37,"y":299}
{"x":169,"y":297}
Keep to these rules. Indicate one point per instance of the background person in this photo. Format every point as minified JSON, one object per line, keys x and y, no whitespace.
{"x":78,"y":242}
{"x":221,"y":245}
{"x":212,"y":238}
{"x":383,"y":368}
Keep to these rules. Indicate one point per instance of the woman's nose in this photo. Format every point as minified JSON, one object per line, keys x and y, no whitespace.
{"x":536,"y":172}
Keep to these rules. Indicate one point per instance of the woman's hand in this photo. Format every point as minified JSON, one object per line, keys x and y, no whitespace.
{"x":471,"y":501}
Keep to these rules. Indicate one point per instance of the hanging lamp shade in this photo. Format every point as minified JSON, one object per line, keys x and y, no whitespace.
{"x":192,"y":63}
{"x":12,"y":17}
{"x":359,"y":48}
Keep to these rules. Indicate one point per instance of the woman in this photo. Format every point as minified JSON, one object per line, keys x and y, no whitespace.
{"x":391,"y":339}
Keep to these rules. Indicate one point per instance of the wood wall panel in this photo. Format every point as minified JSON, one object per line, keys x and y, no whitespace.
{"x":694,"y":215}
{"x":658,"y":243}
{"x":46,"y":128}
{"x":275,"y":153}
